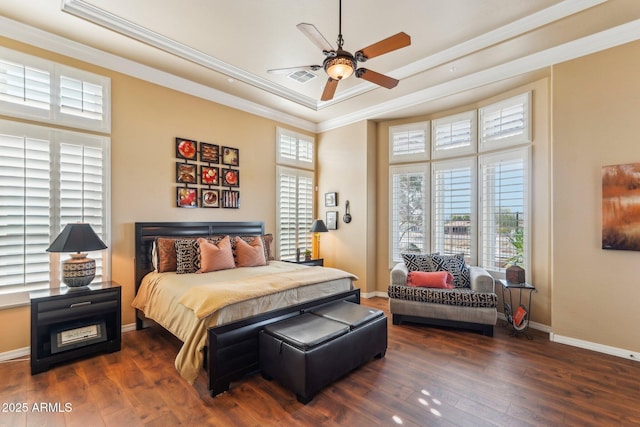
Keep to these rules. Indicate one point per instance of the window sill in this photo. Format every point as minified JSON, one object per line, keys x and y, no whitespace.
{"x":14,"y":299}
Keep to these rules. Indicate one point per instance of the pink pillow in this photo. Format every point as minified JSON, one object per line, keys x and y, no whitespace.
{"x":250,"y":254}
{"x":215,"y":257}
{"x":430,"y":279}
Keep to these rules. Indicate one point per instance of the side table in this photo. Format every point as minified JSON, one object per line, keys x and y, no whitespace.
{"x":518,"y":317}
{"x":68,"y":323}
{"x":318,"y":261}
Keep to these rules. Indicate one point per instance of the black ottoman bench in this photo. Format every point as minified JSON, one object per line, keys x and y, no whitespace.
{"x":306,"y":352}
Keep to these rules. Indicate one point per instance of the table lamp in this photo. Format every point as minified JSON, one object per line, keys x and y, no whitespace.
{"x":78,"y":271}
{"x":318,"y":227}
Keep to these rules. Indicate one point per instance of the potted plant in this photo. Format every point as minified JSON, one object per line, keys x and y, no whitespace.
{"x":307,"y":255}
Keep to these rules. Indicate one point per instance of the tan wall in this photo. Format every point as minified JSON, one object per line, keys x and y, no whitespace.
{"x":346,"y":165}
{"x":540,"y":271}
{"x":596,"y":100}
{"x":146,"y":118}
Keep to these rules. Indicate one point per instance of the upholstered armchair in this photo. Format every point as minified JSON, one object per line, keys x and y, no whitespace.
{"x":471,"y":305}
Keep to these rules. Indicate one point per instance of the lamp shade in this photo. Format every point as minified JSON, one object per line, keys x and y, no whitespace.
{"x":78,"y":271}
{"x":318,"y":226}
{"x":78,"y":237}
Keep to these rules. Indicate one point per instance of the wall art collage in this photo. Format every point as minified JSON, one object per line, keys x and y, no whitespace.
{"x":205,"y":170}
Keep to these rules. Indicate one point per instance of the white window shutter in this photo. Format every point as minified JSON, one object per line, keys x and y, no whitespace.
{"x":454,"y":135}
{"x":506,"y":123}
{"x":409,"y":142}
{"x":295,"y":210}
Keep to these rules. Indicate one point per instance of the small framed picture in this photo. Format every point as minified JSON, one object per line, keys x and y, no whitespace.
{"x":230,"y":178}
{"x":209,"y":175}
{"x":186,"y":149}
{"x":210,"y":198}
{"x":187,"y":197}
{"x":185,"y":173}
{"x":230,"y":156}
{"x":230,"y":199}
{"x":209,"y":153}
{"x":332,"y":220}
{"x":330,"y":199}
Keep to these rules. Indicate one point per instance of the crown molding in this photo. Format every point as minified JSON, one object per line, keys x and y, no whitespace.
{"x":83,"y":9}
{"x":53,"y":43}
{"x":581,"y":47}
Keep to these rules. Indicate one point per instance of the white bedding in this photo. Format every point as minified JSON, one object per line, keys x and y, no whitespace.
{"x":159,"y":294}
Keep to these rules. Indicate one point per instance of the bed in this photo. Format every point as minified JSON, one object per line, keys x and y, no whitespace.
{"x":224,"y":342}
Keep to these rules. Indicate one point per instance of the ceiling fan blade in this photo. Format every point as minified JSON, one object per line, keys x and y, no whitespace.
{"x":315,"y":36}
{"x":383,"y":46}
{"x":290,"y":70}
{"x":329,"y":89}
{"x":377,"y":78}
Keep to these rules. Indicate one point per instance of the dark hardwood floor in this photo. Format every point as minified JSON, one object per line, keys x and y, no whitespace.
{"x":429,"y":377}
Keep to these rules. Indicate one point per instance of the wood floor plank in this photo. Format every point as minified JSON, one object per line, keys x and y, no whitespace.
{"x":429,"y":377}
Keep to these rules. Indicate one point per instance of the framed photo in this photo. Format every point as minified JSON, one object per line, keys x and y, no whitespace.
{"x":330,"y":199}
{"x":230,"y":178}
{"x":186,"y":149}
{"x":230,"y":199}
{"x":186,"y":173}
{"x":187,"y":197}
{"x":230,"y":156}
{"x":209,"y":175}
{"x":332,"y":220}
{"x":209,"y":153}
{"x":210,"y":198}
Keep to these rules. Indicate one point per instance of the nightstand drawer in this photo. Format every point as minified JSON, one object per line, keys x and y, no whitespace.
{"x":81,"y":309}
{"x":77,"y":302}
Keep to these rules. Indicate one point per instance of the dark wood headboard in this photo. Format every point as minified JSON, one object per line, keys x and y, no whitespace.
{"x":146,"y":233}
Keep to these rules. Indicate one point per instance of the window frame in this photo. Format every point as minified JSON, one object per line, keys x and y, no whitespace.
{"x":471,"y":116}
{"x":413,"y":156}
{"x":524,"y":137}
{"x":307,"y":237}
{"x":54,"y":115}
{"x":299,"y":138}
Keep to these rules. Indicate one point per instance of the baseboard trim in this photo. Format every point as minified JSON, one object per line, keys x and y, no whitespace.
{"x":600,"y":348}
{"x":26,"y":351}
{"x":374,"y":294}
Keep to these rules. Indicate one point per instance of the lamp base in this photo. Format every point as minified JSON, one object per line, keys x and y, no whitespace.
{"x":78,"y":271}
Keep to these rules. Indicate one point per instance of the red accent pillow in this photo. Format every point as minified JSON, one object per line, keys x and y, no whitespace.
{"x":430,"y":279}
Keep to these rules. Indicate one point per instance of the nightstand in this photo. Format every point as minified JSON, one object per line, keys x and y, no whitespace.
{"x":319,"y":262}
{"x":68,"y":323}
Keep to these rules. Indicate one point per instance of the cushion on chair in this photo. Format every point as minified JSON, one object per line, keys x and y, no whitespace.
{"x":419,"y":262}
{"x":455,"y":265}
{"x":463,"y":297}
{"x":430,"y":279}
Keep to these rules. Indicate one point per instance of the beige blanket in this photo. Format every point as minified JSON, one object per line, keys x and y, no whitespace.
{"x":207,"y":299}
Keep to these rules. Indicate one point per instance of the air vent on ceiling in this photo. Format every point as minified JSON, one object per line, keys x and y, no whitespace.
{"x":302,"y":76}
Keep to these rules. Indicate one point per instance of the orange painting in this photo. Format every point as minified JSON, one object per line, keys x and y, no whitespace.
{"x":621,"y":207}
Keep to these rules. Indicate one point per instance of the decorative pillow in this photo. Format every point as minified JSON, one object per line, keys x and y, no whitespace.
{"x":267,"y":240}
{"x":187,"y":259}
{"x":430,"y":279}
{"x":166,"y":254}
{"x":215,"y":257}
{"x":250,"y":254}
{"x":455,"y":265}
{"x":248,"y":239}
{"x":419,"y":262}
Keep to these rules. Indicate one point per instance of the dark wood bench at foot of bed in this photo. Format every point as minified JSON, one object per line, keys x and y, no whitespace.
{"x":232,"y":349}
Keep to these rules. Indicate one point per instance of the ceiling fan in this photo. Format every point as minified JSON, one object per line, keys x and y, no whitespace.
{"x":340,"y":64}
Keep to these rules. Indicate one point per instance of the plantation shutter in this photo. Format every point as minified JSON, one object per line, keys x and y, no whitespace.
{"x":506,"y":123}
{"x":295,"y":211}
{"x":504,"y":209}
{"x":294,"y":149}
{"x":409,"y":142}
{"x":81,"y":98}
{"x":25,"y":86}
{"x":453,"y":208}
{"x":408,"y":187}
{"x":454,"y":135}
{"x":25,"y":205}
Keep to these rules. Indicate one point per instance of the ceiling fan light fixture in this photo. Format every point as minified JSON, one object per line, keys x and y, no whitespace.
{"x":340,"y":67}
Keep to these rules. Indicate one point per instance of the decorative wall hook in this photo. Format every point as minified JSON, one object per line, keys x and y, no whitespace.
{"x":347,"y":216}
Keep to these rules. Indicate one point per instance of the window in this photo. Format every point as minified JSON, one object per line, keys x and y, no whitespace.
{"x":409,"y":189}
{"x":37,"y":89}
{"x":294,"y":149}
{"x":454,"y":135}
{"x":476,"y":197}
{"x":504,"y":208}
{"x":48,"y":178}
{"x":295,"y":154}
{"x":295,"y":211}
{"x":505,"y":123}
{"x":409,"y":142}
{"x":454,"y":208}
